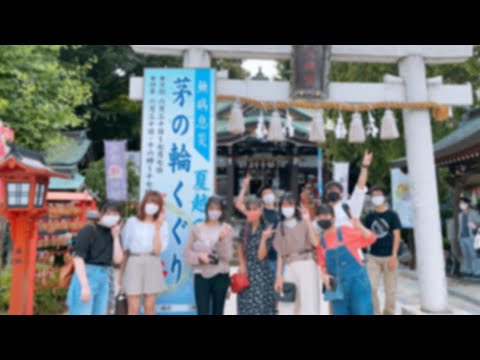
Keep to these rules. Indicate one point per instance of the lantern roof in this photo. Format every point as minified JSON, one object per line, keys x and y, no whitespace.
{"x":27,"y":161}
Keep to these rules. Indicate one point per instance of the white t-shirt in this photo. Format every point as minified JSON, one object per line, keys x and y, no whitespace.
{"x":137,"y":236}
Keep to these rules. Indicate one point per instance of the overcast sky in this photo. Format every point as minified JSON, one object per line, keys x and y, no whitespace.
{"x":269,"y":67}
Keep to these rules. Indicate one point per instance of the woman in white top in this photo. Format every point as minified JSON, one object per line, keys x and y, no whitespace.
{"x":144,"y":238}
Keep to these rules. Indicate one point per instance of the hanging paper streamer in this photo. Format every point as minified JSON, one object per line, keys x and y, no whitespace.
{"x":317,"y":128}
{"x":275,"y":133}
{"x":236,"y":123}
{"x":372,"y":129}
{"x":290,"y":130}
{"x":357,"y":132}
{"x":341,"y":130}
{"x":330,"y":126}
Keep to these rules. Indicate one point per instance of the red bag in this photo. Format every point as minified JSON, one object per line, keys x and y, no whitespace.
{"x":239,"y":282}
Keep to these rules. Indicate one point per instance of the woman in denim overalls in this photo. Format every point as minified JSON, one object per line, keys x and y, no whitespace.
{"x":343,"y":271}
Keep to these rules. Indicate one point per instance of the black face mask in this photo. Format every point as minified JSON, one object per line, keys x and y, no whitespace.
{"x":333,"y":196}
{"x":325,"y":224}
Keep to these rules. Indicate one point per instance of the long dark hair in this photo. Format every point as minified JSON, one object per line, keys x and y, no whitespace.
{"x":215,"y":200}
{"x":290,"y":199}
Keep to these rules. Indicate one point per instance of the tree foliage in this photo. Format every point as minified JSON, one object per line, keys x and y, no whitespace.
{"x":39,"y":95}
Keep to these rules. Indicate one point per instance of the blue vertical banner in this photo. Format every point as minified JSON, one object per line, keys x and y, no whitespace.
{"x":116,"y":170}
{"x":178,"y":160}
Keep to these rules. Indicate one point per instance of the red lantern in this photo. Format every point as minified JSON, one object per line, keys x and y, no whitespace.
{"x":25,"y":181}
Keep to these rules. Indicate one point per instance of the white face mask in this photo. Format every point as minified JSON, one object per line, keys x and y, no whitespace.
{"x":214,"y":215}
{"x":151,"y":209}
{"x":463,"y":206}
{"x":269,"y":199}
{"x":288,"y":212}
{"x":378,"y":200}
{"x":110,"y":221}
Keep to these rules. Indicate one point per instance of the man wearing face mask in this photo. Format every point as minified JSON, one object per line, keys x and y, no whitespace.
{"x":96,"y":248}
{"x":382,"y":258}
{"x":469,"y":221}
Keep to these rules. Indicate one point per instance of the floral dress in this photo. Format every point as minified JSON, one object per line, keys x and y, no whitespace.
{"x":259,"y":298}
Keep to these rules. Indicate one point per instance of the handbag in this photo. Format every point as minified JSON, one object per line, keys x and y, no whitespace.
{"x":239,"y":282}
{"x":336,"y":289}
{"x":121,"y":304}
{"x":288,"y":295}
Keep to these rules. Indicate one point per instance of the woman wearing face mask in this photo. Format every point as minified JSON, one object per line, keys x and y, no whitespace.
{"x":295,"y":251}
{"x":144,"y":238}
{"x":208,"y":252}
{"x":96,"y":247}
{"x":254,"y":244}
{"x":341,"y":265}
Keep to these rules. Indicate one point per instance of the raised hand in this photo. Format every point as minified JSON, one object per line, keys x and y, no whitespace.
{"x":367,"y":158}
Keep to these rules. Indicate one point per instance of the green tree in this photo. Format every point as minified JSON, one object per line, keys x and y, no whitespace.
{"x":113,"y":114}
{"x":234,"y":67}
{"x":39,"y":96}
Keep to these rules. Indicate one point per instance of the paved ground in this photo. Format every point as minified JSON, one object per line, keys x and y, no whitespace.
{"x":463,"y":295}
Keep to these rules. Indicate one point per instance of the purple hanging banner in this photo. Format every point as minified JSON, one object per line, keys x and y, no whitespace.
{"x":116,"y":170}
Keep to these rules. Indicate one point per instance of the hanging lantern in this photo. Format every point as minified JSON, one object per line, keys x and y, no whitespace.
{"x":290,"y":130}
{"x":330,"y":126}
{"x":389,"y":130}
{"x":236,"y":124}
{"x":275,"y":133}
{"x":372,"y":129}
{"x":317,"y":128}
{"x":357,"y":132}
{"x":341,"y":130}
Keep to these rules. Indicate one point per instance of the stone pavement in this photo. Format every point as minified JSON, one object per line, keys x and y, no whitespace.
{"x":463,"y":295}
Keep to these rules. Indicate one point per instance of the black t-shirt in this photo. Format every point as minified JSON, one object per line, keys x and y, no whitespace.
{"x":383,"y":225}
{"x":272,"y":217}
{"x":94,"y":244}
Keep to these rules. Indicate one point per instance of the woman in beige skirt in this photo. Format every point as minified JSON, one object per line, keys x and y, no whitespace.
{"x":144,"y":237}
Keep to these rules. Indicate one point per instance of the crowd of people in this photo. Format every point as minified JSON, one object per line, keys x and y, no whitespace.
{"x":320,"y":255}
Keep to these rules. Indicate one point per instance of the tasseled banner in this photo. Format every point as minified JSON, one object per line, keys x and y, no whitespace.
{"x":317,"y":128}
{"x":389,"y":130}
{"x":341,"y":129}
{"x":357,"y":132}
{"x":236,"y":124}
{"x":275,"y":133}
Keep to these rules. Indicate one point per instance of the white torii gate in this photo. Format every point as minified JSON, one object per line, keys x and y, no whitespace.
{"x":412,"y":86}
